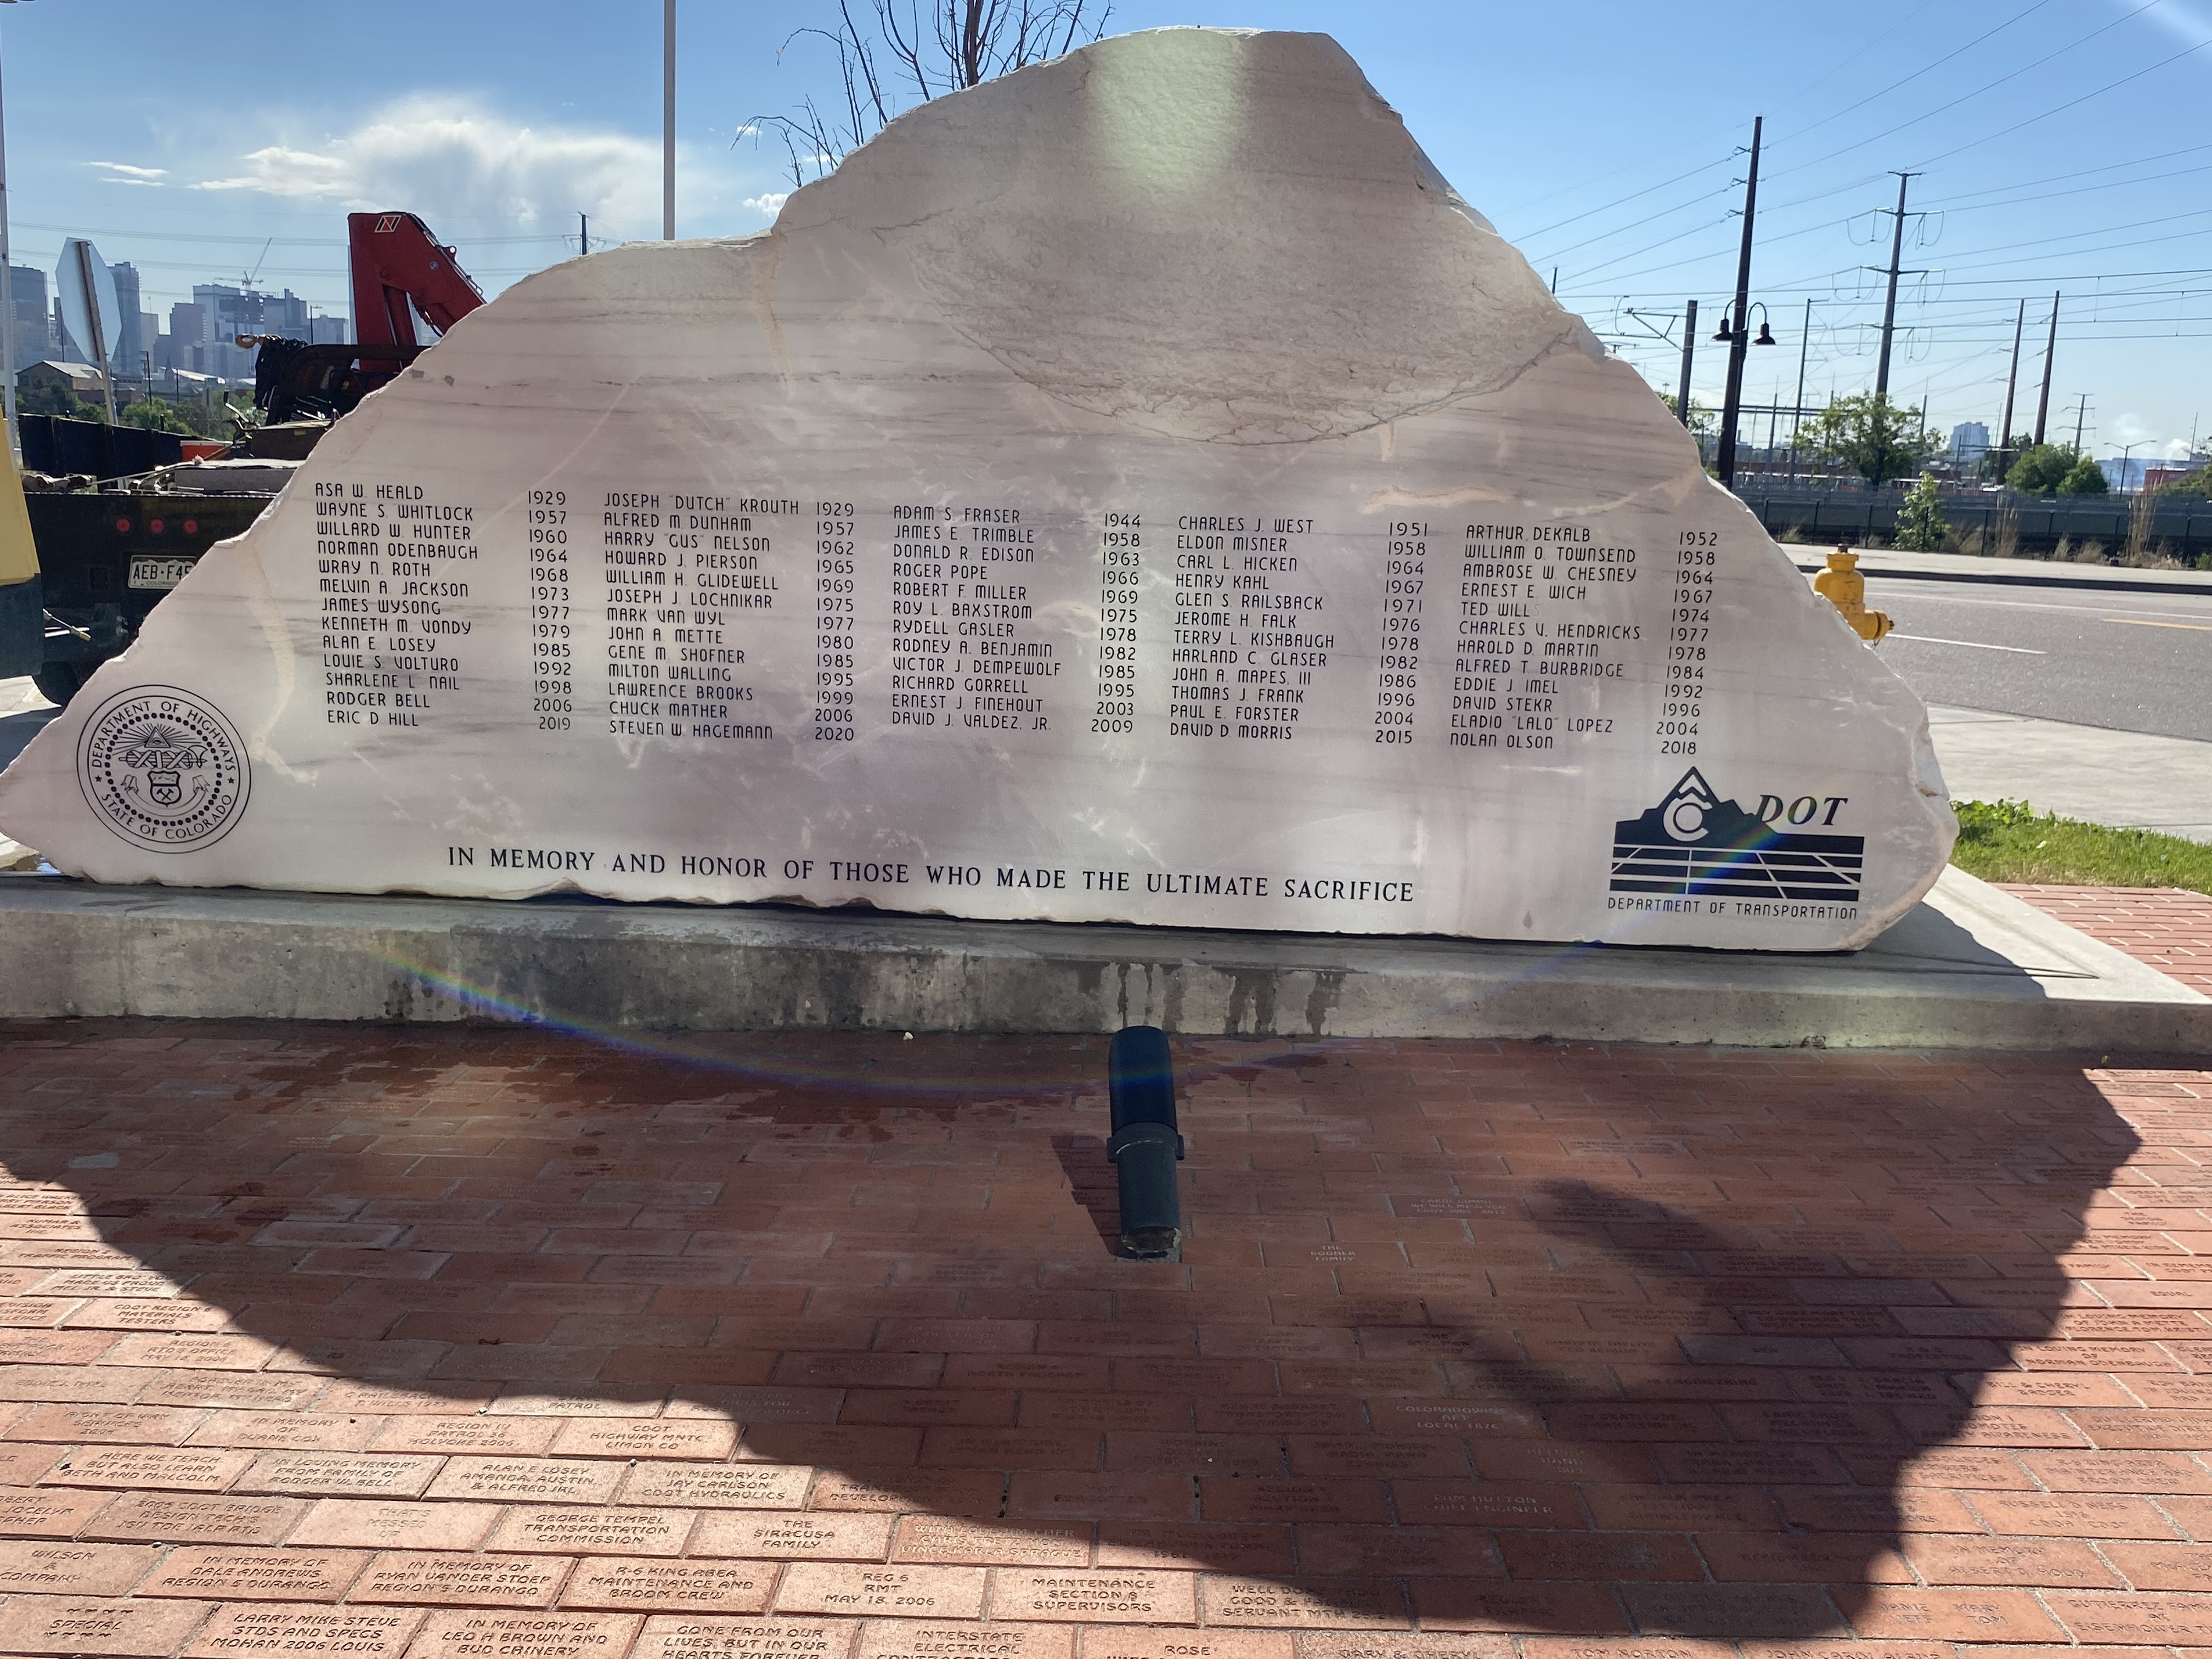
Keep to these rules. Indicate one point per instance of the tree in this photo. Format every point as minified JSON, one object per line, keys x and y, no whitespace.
{"x":155,"y":415}
{"x":901,"y":52}
{"x":48,"y":397}
{"x":1701,"y":418}
{"x":1875,"y":438}
{"x":2084,"y":477}
{"x":2041,"y":469}
{"x":1996,"y":459}
{"x":1920,"y":525}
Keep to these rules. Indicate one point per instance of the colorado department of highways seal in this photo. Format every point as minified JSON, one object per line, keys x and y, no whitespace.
{"x":164,"y":768}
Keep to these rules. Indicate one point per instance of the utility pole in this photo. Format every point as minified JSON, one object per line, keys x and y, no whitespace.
{"x":2012,"y":383}
{"x":2050,"y":348}
{"x":2080,"y":415}
{"x":1740,"y":335}
{"x":668,"y":122}
{"x":1689,"y":349}
{"x":583,"y":234}
{"x":6,"y":313}
{"x":1889,"y":309}
{"x":1797,"y":408}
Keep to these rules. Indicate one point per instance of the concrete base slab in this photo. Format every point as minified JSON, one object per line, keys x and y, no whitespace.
{"x":1973,"y":967}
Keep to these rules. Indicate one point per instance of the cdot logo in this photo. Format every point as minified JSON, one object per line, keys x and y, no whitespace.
{"x":1695,"y":844}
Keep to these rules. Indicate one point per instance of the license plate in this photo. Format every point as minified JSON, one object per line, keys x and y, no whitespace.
{"x":159,"y":572}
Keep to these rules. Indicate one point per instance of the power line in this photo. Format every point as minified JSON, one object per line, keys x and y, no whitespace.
{"x":1634,"y":195}
{"x":1937,"y":64}
{"x":2109,"y":87}
{"x":1990,"y":87}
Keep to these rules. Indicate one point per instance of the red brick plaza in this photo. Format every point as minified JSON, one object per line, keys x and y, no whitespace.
{"x":458,"y":1342}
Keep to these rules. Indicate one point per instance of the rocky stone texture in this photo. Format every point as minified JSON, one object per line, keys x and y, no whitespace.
{"x":1138,"y":489}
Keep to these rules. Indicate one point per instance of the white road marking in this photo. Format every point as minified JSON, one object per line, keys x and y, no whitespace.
{"x":1922,"y":639}
{"x":1898,"y":587}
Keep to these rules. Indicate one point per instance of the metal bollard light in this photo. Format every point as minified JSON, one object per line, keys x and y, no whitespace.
{"x":1146,"y":1146}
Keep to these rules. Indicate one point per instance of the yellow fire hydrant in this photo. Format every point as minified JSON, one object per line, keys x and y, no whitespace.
{"x":1842,"y":585}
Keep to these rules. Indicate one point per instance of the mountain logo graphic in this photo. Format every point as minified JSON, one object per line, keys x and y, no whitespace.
{"x":1695,"y":844}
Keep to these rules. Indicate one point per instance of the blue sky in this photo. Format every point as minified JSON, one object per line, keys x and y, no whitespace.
{"x":2061,"y":142}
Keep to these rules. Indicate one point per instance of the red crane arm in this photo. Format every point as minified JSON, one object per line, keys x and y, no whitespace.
{"x":396,"y":260}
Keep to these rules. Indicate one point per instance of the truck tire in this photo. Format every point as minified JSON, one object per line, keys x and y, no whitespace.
{"x":57,"y":682}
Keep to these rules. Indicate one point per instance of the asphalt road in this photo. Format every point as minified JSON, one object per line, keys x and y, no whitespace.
{"x":2129,"y":662}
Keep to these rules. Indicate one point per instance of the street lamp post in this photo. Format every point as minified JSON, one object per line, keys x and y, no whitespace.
{"x":668,"y":121}
{"x":7,"y":304}
{"x":1736,"y":337}
{"x":2127,"y":455}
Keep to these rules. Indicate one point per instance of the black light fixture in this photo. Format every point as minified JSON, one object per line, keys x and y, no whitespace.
{"x":1723,"y":332}
{"x":1765,"y":334}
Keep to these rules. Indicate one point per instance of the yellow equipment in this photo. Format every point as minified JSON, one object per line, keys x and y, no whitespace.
{"x":1842,"y":585}
{"x":22,"y":610}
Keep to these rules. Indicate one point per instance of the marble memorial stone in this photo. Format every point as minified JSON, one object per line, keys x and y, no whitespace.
{"x":1138,"y":489}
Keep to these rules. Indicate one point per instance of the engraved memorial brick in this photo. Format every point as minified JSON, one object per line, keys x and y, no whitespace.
{"x":683,"y":1637}
{"x":558,"y":1529}
{"x":802,"y":1536}
{"x":922,"y":1638}
{"x":282,"y":1632}
{"x":168,"y":1517}
{"x":721,"y":1587}
{"x":85,"y":1626}
{"x":434,"y":1579}
{"x":527,"y":1479}
{"x":49,"y":1514}
{"x":1099,"y":1597}
{"x":364,"y":1474}
{"x":881,"y":1591}
{"x":539,"y":1636}
{"x":388,"y":1525}
{"x":947,"y":1539}
{"x":59,"y":1569}
{"x":659,"y":1438}
{"x":229,"y":1575}
{"x":1287,"y":1604}
{"x":718,"y":1485}
{"x":148,"y":1467}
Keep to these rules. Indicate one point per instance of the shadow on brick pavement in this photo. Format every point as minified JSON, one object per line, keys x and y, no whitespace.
{"x":1470,"y":1337}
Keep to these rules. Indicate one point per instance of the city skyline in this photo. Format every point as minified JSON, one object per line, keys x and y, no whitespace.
{"x":2052,"y":149}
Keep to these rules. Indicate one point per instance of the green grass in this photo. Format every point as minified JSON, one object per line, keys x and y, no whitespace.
{"x":2010,"y":841}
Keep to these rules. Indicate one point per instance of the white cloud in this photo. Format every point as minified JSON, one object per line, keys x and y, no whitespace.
{"x":2129,"y":428}
{"x":769,"y":202}
{"x":460,"y":164}
{"x":122,"y":173}
{"x":2177,"y":449}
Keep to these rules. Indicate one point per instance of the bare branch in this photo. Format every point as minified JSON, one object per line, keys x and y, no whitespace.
{"x":960,"y":43}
